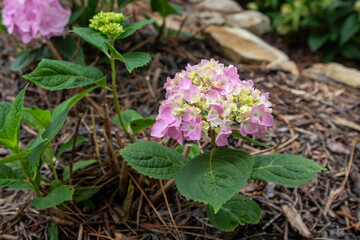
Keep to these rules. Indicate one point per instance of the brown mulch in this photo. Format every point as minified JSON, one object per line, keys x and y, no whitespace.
{"x":317,"y":120}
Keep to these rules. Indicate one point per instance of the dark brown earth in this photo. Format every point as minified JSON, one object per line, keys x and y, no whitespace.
{"x":317,"y":120}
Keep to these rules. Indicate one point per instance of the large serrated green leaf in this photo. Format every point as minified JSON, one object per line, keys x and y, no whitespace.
{"x":153,"y":159}
{"x":10,"y":179}
{"x":56,"y":75}
{"x":238,"y":210}
{"x":95,"y":38}
{"x":4,"y":111}
{"x":284,"y":169}
{"x":133,"y":27}
{"x":12,"y":120}
{"x":56,"y":196}
{"x":135,"y":60}
{"x":214,"y":177}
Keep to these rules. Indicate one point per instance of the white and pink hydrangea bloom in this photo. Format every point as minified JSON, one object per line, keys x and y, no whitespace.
{"x":27,"y":19}
{"x":211,"y":97}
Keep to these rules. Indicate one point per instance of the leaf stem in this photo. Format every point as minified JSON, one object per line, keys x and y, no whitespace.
{"x":213,"y":136}
{"x":114,"y":92}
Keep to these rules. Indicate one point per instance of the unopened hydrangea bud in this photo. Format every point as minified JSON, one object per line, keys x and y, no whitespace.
{"x":211,"y":97}
{"x":108,"y":23}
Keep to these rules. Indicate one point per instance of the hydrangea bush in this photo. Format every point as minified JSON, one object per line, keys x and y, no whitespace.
{"x":30,"y":19}
{"x":211,"y":97}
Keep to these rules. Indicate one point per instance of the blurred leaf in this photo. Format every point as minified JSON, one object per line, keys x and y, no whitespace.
{"x":57,"y":75}
{"x":84,"y":193}
{"x":24,"y":58}
{"x":2,"y":27}
{"x":77,"y":166}
{"x":238,"y":135}
{"x":317,"y":40}
{"x":123,"y":3}
{"x":10,"y":179}
{"x":67,"y":48}
{"x":52,"y":231}
{"x":69,"y":144}
{"x":128,"y":116}
{"x":76,"y":15}
{"x":351,"y":50}
{"x":55,"y":197}
{"x":163,"y":7}
{"x":349,"y":28}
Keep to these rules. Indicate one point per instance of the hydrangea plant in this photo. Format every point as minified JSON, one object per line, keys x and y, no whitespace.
{"x":207,"y":100}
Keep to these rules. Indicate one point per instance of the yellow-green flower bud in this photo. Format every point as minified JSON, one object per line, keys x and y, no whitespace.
{"x":108,"y":23}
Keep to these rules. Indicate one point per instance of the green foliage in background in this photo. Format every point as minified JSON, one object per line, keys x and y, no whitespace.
{"x":331,"y":26}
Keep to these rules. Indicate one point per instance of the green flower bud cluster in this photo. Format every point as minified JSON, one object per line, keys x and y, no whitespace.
{"x":108,"y":23}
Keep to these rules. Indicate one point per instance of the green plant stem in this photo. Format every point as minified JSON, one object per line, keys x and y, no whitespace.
{"x":111,"y":5}
{"x":116,"y":100}
{"x":213,"y":136}
{"x":28,"y":176}
{"x":54,"y":171}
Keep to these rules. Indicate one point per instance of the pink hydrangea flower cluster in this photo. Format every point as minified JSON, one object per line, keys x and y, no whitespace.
{"x":28,"y":18}
{"x":210,"y":96}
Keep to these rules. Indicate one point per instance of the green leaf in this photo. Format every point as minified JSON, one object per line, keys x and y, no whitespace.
{"x":194,"y":152}
{"x":53,"y":232}
{"x":163,"y":7}
{"x":350,"y":26}
{"x":284,"y":169}
{"x":238,"y":135}
{"x":22,"y":155}
{"x":317,"y":40}
{"x":2,"y":27}
{"x":238,"y":210}
{"x":69,"y":103}
{"x":128,"y":116}
{"x":135,"y":59}
{"x":214,"y":177}
{"x":351,"y":50}
{"x":123,"y":3}
{"x":153,"y":159}
{"x":114,"y":52}
{"x":4,"y":111}
{"x":69,"y":144}
{"x":76,"y":15}
{"x":56,"y":75}
{"x":10,"y":179}
{"x":33,"y":160}
{"x":133,"y":27}
{"x":77,"y":166}
{"x":67,"y":47}
{"x":12,"y":121}
{"x":56,"y":196}
{"x":138,"y":125}
{"x":84,"y":193}
{"x":37,"y":118}
{"x":95,"y":38}
{"x":23,"y":59}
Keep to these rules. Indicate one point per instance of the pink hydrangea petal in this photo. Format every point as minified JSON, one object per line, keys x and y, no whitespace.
{"x":222,"y":139}
{"x":159,"y":129}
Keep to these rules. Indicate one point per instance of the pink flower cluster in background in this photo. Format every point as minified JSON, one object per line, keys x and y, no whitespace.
{"x":28,"y":18}
{"x":210,"y":96}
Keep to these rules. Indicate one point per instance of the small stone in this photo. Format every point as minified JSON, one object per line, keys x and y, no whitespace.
{"x":254,"y":21}
{"x":333,"y":71}
{"x":227,"y":6}
{"x":240,"y":45}
{"x":287,"y":66}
